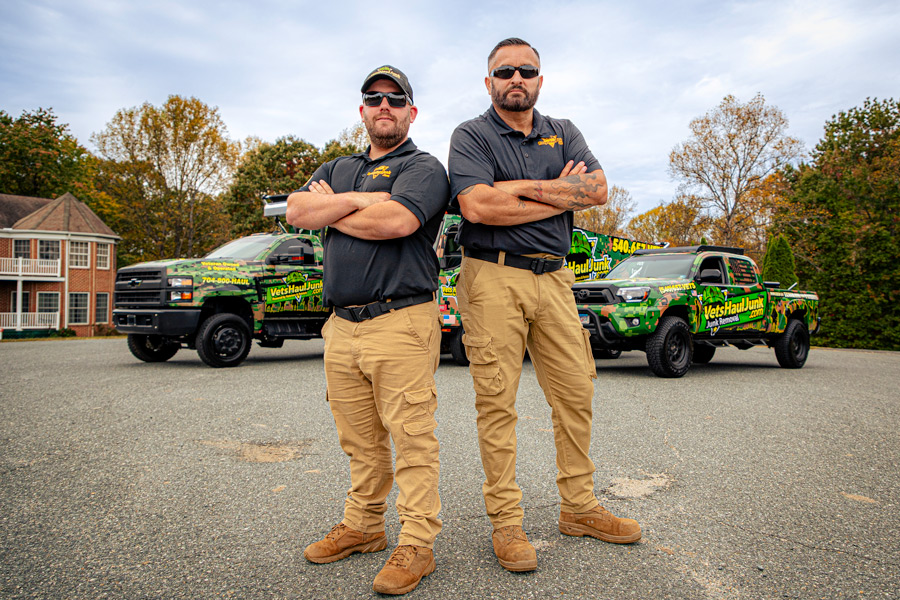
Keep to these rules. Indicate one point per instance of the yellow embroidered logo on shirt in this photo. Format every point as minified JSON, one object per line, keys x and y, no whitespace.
{"x":551,"y":141}
{"x":383,"y":171}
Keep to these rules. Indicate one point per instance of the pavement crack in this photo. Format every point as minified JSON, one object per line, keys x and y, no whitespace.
{"x":806,"y":545}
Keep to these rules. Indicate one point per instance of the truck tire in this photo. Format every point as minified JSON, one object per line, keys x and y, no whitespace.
{"x":792,"y":346}
{"x":703,"y":353}
{"x":669,"y":348}
{"x":151,"y":348}
{"x":606,"y":353}
{"x":223,"y":340}
{"x":457,"y":348}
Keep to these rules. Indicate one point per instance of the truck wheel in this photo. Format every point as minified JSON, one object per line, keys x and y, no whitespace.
{"x":606,"y":353}
{"x":703,"y":353}
{"x":151,"y":348}
{"x":669,"y":348}
{"x":223,"y":340}
{"x":457,"y":348}
{"x":792,"y":346}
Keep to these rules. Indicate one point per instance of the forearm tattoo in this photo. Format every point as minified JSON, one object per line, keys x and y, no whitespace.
{"x":571,"y":192}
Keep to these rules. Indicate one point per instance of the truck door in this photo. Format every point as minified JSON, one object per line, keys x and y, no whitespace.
{"x":747,"y":291}
{"x":733,"y":298}
{"x":293,"y":284}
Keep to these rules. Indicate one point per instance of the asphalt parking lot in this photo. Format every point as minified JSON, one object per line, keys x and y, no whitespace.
{"x":120,"y":479}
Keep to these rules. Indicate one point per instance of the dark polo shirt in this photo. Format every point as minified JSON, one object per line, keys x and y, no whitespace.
{"x":486,"y":149}
{"x":361,"y":271}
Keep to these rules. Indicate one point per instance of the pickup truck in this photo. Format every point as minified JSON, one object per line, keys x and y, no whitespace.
{"x":679,"y":304}
{"x":266,"y":287}
{"x":591,"y":256}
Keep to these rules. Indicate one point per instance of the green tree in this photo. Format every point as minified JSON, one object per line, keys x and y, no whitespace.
{"x":164,"y":169}
{"x":842,"y":217}
{"x":266,"y":169}
{"x":40,"y":158}
{"x":732,"y":150}
{"x":350,"y":141}
{"x":778,"y":262}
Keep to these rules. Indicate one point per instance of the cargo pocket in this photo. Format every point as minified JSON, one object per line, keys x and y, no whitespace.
{"x":418,"y":442}
{"x":589,"y":363}
{"x":484,"y":366}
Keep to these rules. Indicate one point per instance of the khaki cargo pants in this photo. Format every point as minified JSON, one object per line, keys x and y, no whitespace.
{"x":380,"y":377}
{"x":504,"y":309}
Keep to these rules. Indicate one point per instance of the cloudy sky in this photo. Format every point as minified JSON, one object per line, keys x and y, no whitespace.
{"x":631,"y":75}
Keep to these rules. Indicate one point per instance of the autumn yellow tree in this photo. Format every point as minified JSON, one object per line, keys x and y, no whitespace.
{"x":681,"y":222}
{"x":164,"y":168}
{"x":612,"y":217}
{"x":724,"y":164}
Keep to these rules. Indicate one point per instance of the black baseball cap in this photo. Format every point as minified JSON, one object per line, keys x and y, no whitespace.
{"x":392,"y":73}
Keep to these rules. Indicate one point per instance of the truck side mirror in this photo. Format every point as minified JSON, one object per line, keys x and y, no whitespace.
{"x":710,"y":276}
{"x":305,"y":257}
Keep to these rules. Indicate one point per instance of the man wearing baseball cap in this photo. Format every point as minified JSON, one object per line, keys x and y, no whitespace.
{"x":383,"y":208}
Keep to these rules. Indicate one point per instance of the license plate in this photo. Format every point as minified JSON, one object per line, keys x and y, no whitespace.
{"x":585,"y":319}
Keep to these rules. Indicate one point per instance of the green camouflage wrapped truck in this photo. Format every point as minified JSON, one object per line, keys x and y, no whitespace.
{"x":266,"y":287}
{"x":590,"y":257}
{"x":679,"y":304}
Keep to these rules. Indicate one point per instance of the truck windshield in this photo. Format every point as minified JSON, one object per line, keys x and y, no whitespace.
{"x":248,"y":248}
{"x":659,"y":266}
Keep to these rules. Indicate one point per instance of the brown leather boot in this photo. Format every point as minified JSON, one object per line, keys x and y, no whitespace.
{"x":404,"y":570}
{"x":341,"y":542}
{"x":601,"y":524}
{"x":513,"y":550}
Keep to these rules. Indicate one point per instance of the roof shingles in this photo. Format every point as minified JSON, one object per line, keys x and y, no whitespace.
{"x":66,"y":213}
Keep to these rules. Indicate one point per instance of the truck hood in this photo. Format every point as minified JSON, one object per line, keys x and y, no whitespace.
{"x":197,"y":265}
{"x":636,"y":282}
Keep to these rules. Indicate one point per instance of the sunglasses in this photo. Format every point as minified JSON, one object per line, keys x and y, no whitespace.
{"x":394,"y":100}
{"x":507,"y":72}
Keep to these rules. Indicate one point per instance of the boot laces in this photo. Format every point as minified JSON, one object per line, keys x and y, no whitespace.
{"x":336,"y":532}
{"x":511,"y":532}
{"x":402,"y":556}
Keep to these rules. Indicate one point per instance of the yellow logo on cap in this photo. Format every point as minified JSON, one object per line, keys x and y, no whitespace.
{"x":551,"y":141}
{"x":383,"y":171}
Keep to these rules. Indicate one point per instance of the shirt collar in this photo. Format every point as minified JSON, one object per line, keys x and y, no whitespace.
{"x":538,"y":125}
{"x":405,"y":148}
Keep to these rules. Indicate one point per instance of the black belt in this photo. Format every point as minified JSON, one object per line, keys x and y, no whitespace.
{"x":376,"y":309}
{"x":535,"y":265}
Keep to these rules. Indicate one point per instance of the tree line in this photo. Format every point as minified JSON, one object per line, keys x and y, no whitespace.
{"x":167,"y":178}
{"x":170,"y":181}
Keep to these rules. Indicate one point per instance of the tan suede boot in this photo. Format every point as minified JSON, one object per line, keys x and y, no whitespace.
{"x":404,"y":570}
{"x":601,"y":524}
{"x":514,"y":551}
{"x":341,"y":542}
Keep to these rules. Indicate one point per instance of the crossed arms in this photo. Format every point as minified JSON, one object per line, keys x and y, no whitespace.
{"x":364,"y":215}
{"x":526,"y":200}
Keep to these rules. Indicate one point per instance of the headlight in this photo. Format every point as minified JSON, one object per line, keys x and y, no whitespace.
{"x":181,"y":282}
{"x":634,"y":294}
{"x":177,"y":296}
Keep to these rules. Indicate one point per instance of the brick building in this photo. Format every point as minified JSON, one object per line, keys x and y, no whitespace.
{"x":57,"y":266}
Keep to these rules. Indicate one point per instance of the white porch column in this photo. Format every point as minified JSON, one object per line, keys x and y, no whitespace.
{"x":19,"y":304}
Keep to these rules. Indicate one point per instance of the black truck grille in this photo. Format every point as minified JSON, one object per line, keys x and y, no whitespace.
{"x":139,"y":288}
{"x":594,"y":295}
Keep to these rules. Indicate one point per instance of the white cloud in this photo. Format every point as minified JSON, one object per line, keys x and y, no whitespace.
{"x":630,"y":76}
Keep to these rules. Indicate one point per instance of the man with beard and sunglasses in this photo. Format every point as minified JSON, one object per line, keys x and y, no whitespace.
{"x":383,"y":208}
{"x":517,"y":176}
